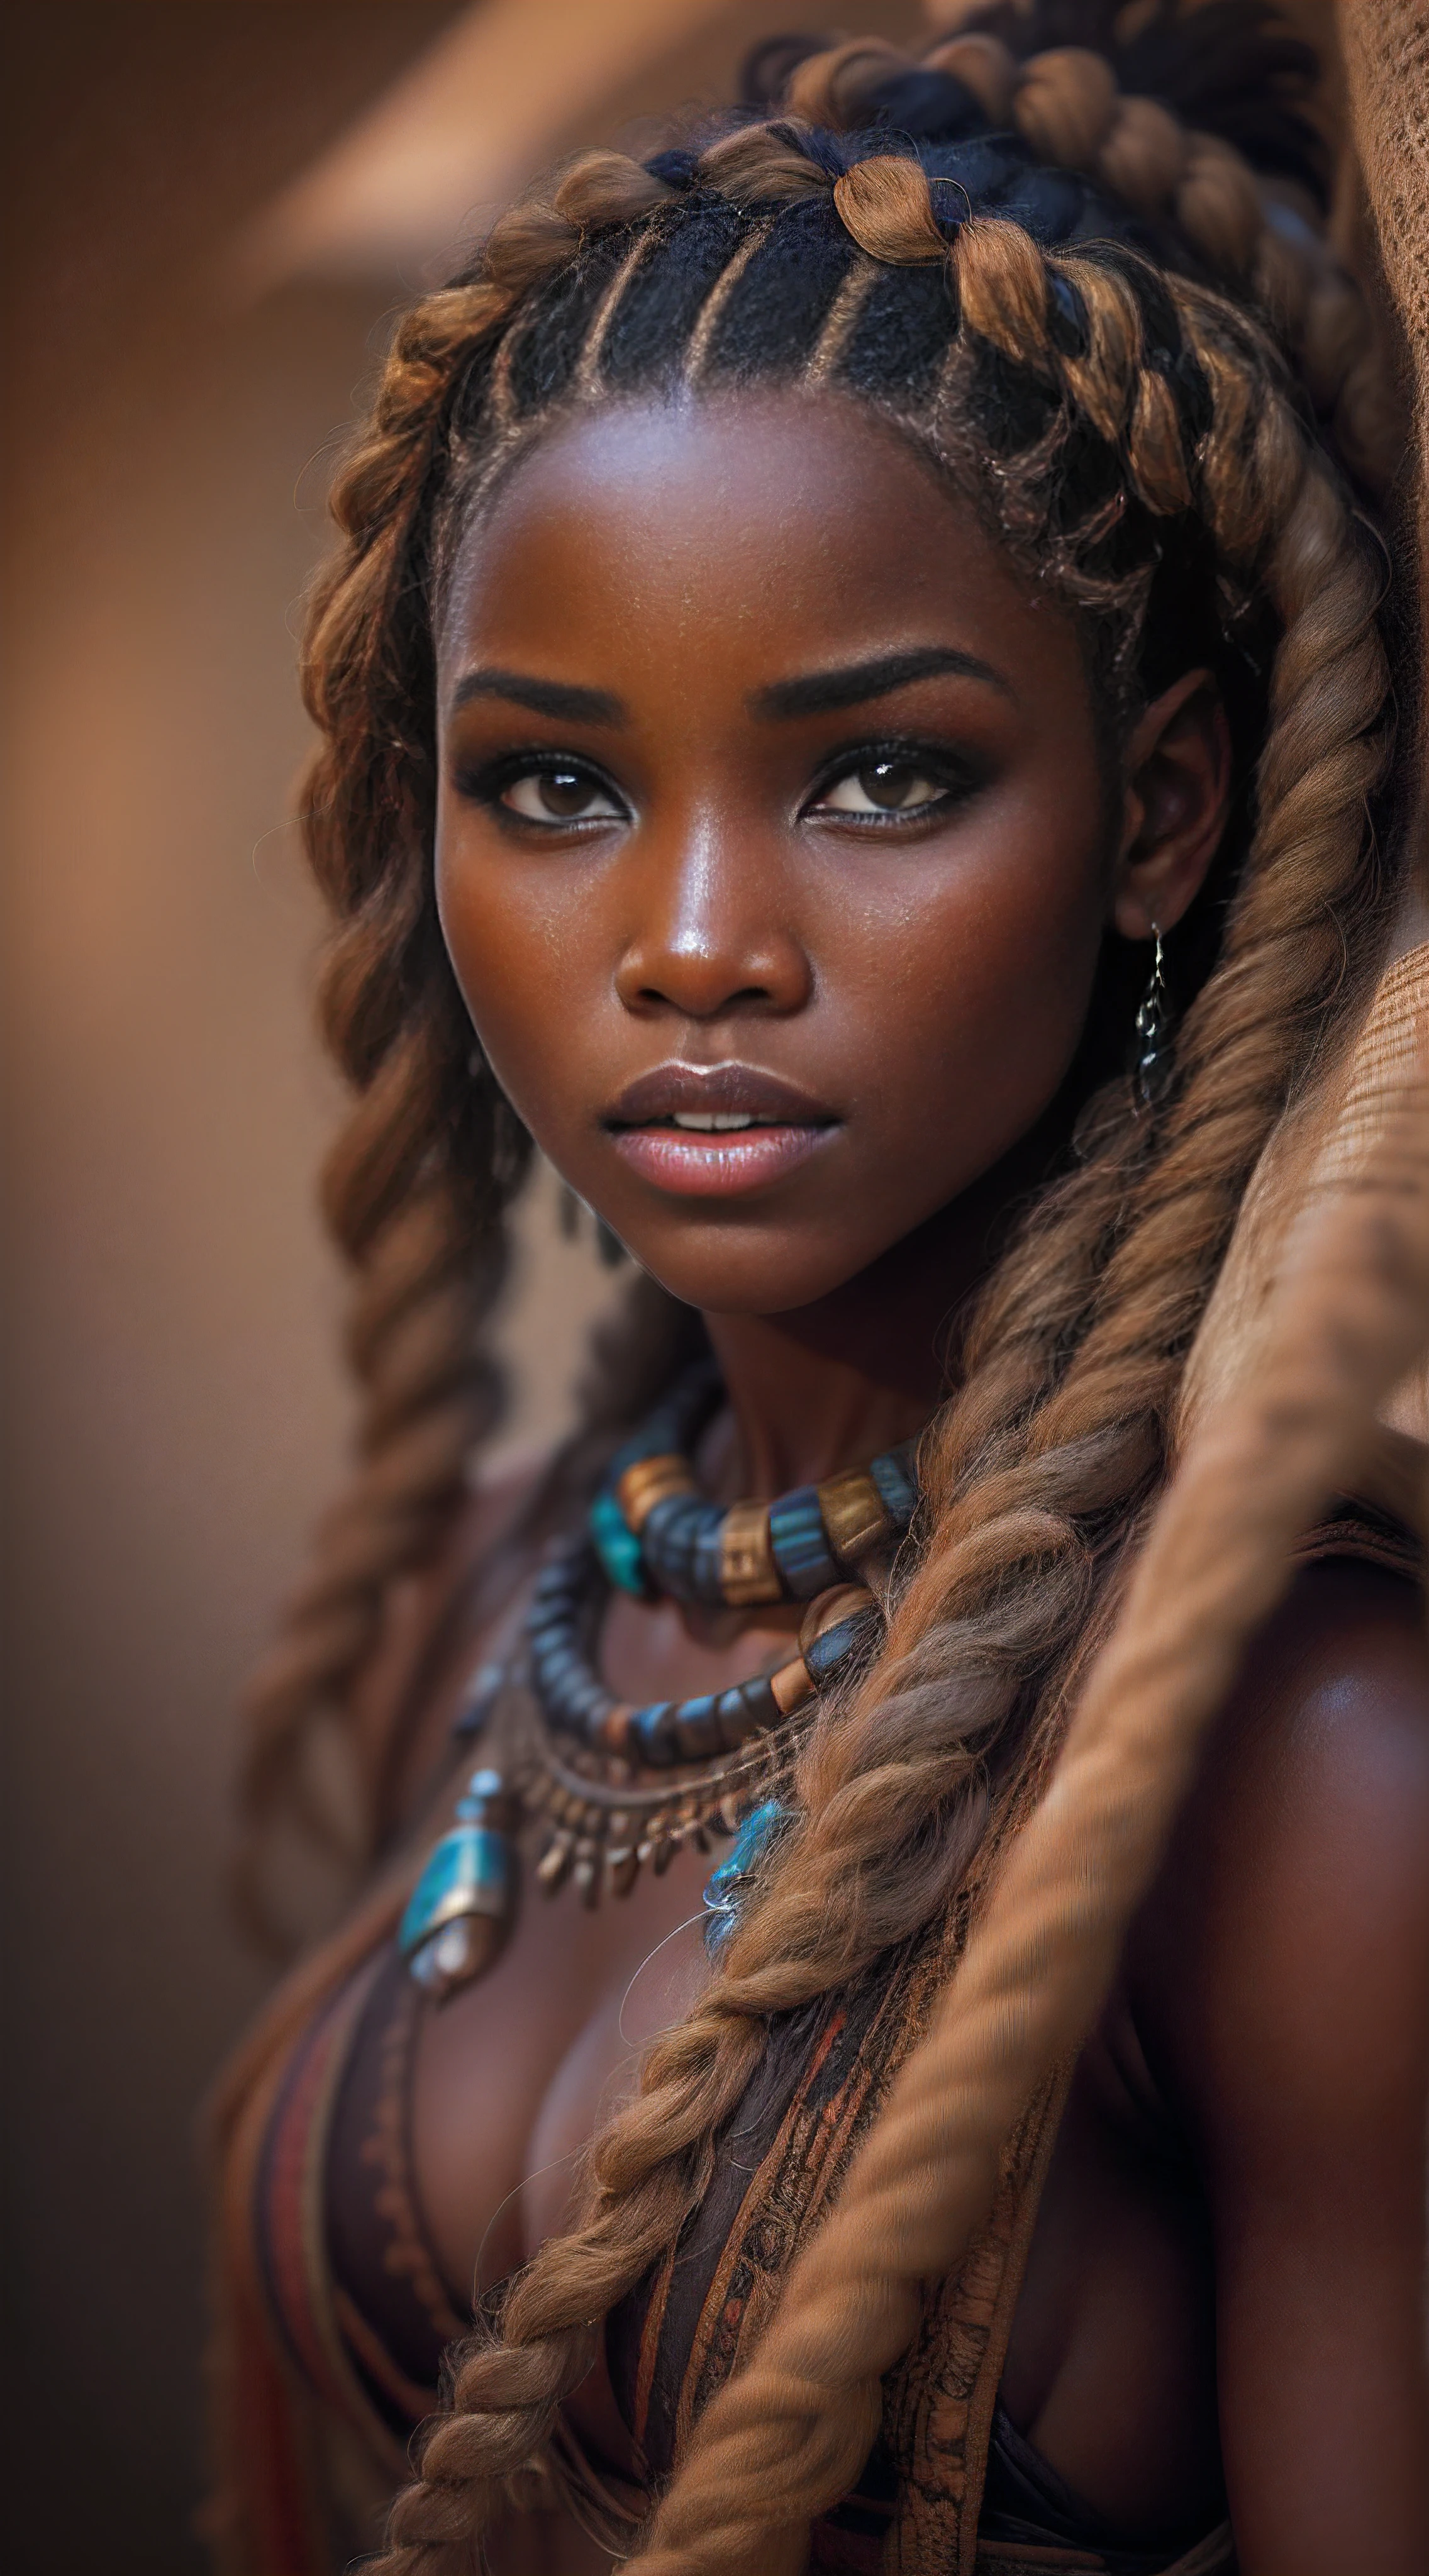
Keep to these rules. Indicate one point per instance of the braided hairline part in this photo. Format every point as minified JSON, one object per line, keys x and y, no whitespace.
{"x":1252,"y":237}
{"x":1075,"y":1365}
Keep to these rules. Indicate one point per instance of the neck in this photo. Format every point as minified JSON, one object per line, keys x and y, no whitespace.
{"x":827,"y":1386}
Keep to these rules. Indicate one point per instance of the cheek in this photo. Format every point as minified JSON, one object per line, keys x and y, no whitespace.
{"x":525,"y":946}
{"x":973,"y":985}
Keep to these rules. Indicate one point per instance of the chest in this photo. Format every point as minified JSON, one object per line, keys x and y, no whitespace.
{"x":510,"y":2079}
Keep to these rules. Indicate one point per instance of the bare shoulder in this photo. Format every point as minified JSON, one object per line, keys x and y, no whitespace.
{"x":1290,"y":1928}
{"x":437,"y":1623}
{"x":1279,"y":1979}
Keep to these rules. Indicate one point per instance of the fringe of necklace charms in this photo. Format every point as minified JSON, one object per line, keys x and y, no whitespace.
{"x":615,"y":1788}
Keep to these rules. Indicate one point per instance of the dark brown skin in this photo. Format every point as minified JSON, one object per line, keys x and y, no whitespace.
{"x":1229,"y":2262}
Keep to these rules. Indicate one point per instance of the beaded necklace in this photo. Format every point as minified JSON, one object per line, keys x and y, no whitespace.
{"x":615,"y":1788}
{"x":655,"y":1531}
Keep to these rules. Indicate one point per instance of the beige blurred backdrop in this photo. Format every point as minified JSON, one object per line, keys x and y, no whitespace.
{"x":212,"y":207}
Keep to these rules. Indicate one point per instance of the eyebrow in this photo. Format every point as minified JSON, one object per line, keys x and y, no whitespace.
{"x":563,"y":699}
{"x":824,"y":692}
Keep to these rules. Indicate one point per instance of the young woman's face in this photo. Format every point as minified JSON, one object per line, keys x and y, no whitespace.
{"x":772,"y":849}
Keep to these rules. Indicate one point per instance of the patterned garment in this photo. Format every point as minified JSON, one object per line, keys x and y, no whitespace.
{"x":342,"y":2302}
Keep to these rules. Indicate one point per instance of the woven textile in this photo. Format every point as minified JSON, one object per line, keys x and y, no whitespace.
{"x":1331,"y":1137}
{"x":1386,"y":52}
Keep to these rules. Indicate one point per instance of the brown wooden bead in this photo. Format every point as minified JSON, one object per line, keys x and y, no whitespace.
{"x":792,"y":1687}
{"x":614,"y":1730}
{"x":651,"y":1481}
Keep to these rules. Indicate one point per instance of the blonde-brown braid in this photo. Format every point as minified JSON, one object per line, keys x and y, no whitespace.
{"x":403,"y":1191}
{"x":786,"y":2439}
{"x":1066,"y":104}
{"x":1071,"y":1376}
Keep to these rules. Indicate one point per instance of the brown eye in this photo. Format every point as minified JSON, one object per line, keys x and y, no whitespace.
{"x":560,"y":796}
{"x":884,"y":787}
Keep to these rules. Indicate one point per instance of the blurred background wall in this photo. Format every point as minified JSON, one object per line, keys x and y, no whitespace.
{"x":211,"y":208}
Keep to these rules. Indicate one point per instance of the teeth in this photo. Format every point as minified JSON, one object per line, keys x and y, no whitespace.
{"x":716,"y":1121}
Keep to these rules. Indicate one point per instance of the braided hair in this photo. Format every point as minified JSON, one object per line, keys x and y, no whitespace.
{"x":1087,"y":282}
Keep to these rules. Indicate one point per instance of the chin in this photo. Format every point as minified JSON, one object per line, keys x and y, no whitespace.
{"x":746,"y":1276}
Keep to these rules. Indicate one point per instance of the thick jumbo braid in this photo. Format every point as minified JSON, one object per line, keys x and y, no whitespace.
{"x":1059,"y":1435}
{"x":786,"y":2438}
{"x":1070,"y":102}
{"x":417,"y":1185}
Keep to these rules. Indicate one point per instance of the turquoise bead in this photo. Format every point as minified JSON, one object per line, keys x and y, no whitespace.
{"x":468,"y":1873}
{"x":722,"y":1890}
{"x":617,"y":1546}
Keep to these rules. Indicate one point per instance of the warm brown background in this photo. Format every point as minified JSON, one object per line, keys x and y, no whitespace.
{"x":173,"y":1409}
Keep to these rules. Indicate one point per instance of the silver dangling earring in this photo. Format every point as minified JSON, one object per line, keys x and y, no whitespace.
{"x":1151,"y":1075}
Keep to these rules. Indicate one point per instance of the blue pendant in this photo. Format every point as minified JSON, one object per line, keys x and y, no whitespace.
{"x":722,"y":1889}
{"x":459,"y":1911}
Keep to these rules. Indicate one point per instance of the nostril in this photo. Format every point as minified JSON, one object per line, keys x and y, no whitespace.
{"x":745,"y":969}
{"x":660,"y":997}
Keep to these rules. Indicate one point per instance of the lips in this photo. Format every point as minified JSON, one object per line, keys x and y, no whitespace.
{"x":745,"y":1091}
{"x":715,"y":1130}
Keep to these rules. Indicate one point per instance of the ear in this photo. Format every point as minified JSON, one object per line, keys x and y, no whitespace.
{"x":1177,"y":769}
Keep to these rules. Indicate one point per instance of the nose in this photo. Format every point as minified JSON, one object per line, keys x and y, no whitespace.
{"x":712,"y":934}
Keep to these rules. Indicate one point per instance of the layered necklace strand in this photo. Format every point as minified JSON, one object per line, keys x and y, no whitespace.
{"x":618,"y":1787}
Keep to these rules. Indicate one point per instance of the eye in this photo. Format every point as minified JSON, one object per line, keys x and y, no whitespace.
{"x":560,"y":793}
{"x":897,"y":784}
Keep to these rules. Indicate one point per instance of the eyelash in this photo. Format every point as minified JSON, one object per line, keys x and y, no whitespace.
{"x":955,"y":777}
{"x":489,"y":785}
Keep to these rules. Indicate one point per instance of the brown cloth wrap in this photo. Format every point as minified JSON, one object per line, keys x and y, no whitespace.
{"x":1385,"y":44}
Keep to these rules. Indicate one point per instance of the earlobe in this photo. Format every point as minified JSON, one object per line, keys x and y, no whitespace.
{"x":1174,"y":813}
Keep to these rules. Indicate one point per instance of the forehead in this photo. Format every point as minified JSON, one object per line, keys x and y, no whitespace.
{"x":770,"y":523}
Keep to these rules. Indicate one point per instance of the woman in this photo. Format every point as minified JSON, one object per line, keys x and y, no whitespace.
{"x":855,"y":719}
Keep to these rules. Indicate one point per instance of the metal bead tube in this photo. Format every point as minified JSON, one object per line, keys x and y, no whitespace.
{"x":855,"y":1515}
{"x":748,"y":1573}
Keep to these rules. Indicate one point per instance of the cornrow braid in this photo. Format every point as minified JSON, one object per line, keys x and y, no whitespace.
{"x":1099,"y":374}
{"x":1083,"y":107}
